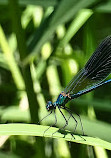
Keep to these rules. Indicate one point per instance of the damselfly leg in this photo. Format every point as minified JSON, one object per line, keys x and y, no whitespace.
{"x":52,"y":124}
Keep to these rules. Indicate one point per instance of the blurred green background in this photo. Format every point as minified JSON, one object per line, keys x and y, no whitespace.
{"x":43,"y":44}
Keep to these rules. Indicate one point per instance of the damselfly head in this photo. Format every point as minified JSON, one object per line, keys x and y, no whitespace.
{"x":49,"y":106}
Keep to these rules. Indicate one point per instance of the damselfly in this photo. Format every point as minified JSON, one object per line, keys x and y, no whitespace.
{"x":92,"y":76}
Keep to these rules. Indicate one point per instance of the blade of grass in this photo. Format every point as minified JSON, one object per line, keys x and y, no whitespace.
{"x":3,"y":62}
{"x":21,"y":42}
{"x":104,"y":7}
{"x":63,"y":13}
{"x":38,"y":130}
{"x":15,"y":17}
{"x":100,"y":128}
{"x":76,"y":24}
{"x":100,"y":105}
{"x":43,"y":3}
{"x":9,"y":57}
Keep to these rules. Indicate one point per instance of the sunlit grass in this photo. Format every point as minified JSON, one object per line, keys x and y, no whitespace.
{"x":55,"y":39}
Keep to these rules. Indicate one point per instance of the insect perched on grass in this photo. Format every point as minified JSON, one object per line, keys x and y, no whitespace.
{"x":92,"y":76}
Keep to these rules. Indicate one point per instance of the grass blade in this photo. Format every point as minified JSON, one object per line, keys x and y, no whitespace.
{"x":38,"y":130}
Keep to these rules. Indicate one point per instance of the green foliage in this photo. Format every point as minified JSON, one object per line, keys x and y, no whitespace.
{"x":38,"y":130}
{"x":43,"y":44}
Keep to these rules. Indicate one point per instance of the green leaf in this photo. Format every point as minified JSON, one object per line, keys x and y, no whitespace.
{"x":76,"y":24}
{"x":104,"y":7}
{"x":62,"y":13}
{"x":38,"y":130}
{"x":9,"y":57}
{"x":43,"y":3}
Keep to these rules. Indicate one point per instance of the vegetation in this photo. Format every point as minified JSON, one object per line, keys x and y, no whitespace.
{"x":43,"y":44}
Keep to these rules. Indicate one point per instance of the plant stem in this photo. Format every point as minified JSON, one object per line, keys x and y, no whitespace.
{"x":16,"y":23}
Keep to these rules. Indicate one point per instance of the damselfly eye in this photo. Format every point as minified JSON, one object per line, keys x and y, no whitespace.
{"x":49,"y":105}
